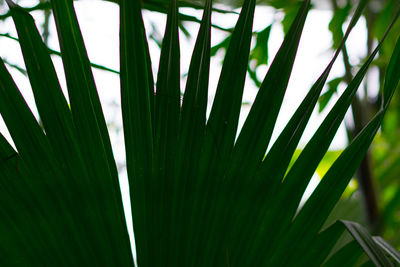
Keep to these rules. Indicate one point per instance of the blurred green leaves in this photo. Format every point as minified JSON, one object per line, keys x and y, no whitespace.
{"x":331,"y":90}
{"x":336,"y":23}
{"x":260,"y":52}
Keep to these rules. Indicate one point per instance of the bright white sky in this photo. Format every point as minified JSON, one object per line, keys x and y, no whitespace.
{"x":100,"y":26}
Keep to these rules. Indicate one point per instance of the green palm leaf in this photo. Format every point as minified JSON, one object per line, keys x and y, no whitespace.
{"x":136,"y":96}
{"x":199,"y":198}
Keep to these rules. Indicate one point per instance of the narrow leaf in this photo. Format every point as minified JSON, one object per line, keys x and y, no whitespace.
{"x":275,"y":164}
{"x":301,"y":172}
{"x":394,"y":253}
{"x":322,"y":201}
{"x":40,"y":160}
{"x":364,"y":239}
{"x":220,"y":134}
{"x":89,"y":119}
{"x":191,"y":135}
{"x":166,"y":125}
{"x":257,"y":130}
{"x":57,"y":121}
{"x":136,"y":104}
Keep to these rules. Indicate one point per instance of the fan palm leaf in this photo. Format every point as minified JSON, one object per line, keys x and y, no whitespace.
{"x":202,"y":194}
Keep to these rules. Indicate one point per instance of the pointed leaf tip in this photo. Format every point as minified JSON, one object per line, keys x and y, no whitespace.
{"x":11,"y":4}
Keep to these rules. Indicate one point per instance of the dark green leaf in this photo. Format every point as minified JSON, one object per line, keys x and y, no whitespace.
{"x":166,"y":127}
{"x":137,"y":103}
{"x":321,"y":246}
{"x":276,"y":162}
{"x":220,"y":132}
{"x":89,"y":119}
{"x":346,"y":256}
{"x":192,"y":130}
{"x":323,"y":199}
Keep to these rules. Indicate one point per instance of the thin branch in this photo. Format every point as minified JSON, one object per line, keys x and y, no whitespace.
{"x":54,"y":52}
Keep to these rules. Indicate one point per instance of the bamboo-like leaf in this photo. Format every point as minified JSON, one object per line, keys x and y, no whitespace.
{"x":299,"y":175}
{"x":220,"y":135}
{"x":89,"y":119}
{"x":276,"y":162}
{"x":223,"y":120}
{"x":252,"y":142}
{"x":57,"y":121}
{"x":322,"y":201}
{"x":192,"y":129}
{"x":166,"y":125}
{"x":314,"y":213}
{"x":136,"y":104}
{"x":257,"y":130}
{"x":41,"y":165}
{"x":20,"y":120}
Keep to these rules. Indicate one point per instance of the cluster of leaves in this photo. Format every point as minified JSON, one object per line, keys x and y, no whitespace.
{"x":383,"y":196}
{"x":200,"y":197}
{"x":380,"y":165}
{"x":385,"y":172}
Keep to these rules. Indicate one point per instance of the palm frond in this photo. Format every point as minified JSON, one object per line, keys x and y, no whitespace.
{"x":202,"y":194}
